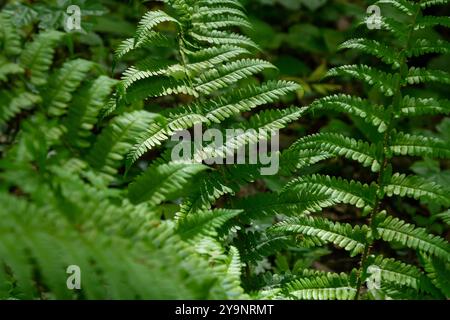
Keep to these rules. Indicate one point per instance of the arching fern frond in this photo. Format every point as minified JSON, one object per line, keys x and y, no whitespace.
{"x":437,"y":271}
{"x":63,"y":83}
{"x":341,"y":190}
{"x":382,"y":81}
{"x":37,"y":57}
{"x":9,"y":36}
{"x":373,"y":47}
{"x":83,"y":111}
{"x":329,"y":286}
{"x":113,"y":143}
{"x":393,"y":229}
{"x":412,"y":145}
{"x":371,"y":114}
{"x":340,"y":145}
{"x":345,"y":236}
{"x":159,"y":182}
{"x":203,"y":223}
{"x":424,"y":106}
{"x":416,"y":187}
{"x":420,"y":75}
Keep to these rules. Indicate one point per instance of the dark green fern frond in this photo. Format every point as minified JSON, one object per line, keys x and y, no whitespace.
{"x":424,"y":106}
{"x":373,"y":47}
{"x":342,"y":235}
{"x":85,"y":108}
{"x":418,"y":188}
{"x":405,"y":144}
{"x":341,"y":190}
{"x":37,"y":57}
{"x":9,"y":36}
{"x":437,"y":271}
{"x":339,"y":145}
{"x":203,"y":223}
{"x":382,"y":81}
{"x":63,"y":83}
{"x":163,"y":181}
{"x":329,"y":286}
{"x":371,"y":114}
{"x":393,"y":229}
{"x":113,"y":143}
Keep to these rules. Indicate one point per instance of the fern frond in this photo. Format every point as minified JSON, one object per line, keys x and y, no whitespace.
{"x":398,"y":272}
{"x":416,"y":187}
{"x":382,"y":81}
{"x":259,"y":127}
{"x":425,"y":46}
{"x":229,"y":74}
{"x":216,"y":37}
{"x":232,"y":3}
{"x":445,"y":216}
{"x":37,"y":57}
{"x":113,"y":143}
{"x":209,"y":57}
{"x":151,"y":38}
{"x":340,"y":145}
{"x":285,"y":203}
{"x":370,"y":113}
{"x":432,"y":21}
{"x":437,"y":271}
{"x":147,"y":69}
{"x":424,"y":106}
{"x":63,"y":83}
{"x":222,"y":22}
{"x":405,"y":6}
{"x":398,"y":29}
{"x":7,"y":68}
{"x":341,"y":190}
{"x":205,"y":12}
{"x":215,"y":110}
{"x":83,"y":111}
{"x":159,"y":182}
{"x":406,"y":144}
{"x":232,"y":278}
{"x":157,"y":87}
{"x":345,"y":236}
{"x":11,"y":105}
{"x":255,"y":246}
{"x":421,"y":75}
{"x":293,"y":159}
{"x":155,"y":134}
{"x":392,"y":229}
{"x":245,"y":99}
{"x":329,"y":286}
{"x":150,"y":20}
{"x":203,"y":223}
{"x":212,"y":186}
{"x":429,"y":3}
{"x":9,"y":36}
{"x":374,"y":48}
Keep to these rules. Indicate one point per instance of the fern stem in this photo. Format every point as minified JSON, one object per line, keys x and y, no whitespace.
{"x":396,"y":105}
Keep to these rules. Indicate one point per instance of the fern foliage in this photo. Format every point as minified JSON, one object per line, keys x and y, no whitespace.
{"x":379,"y":115}
{"x":89,"y":178}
